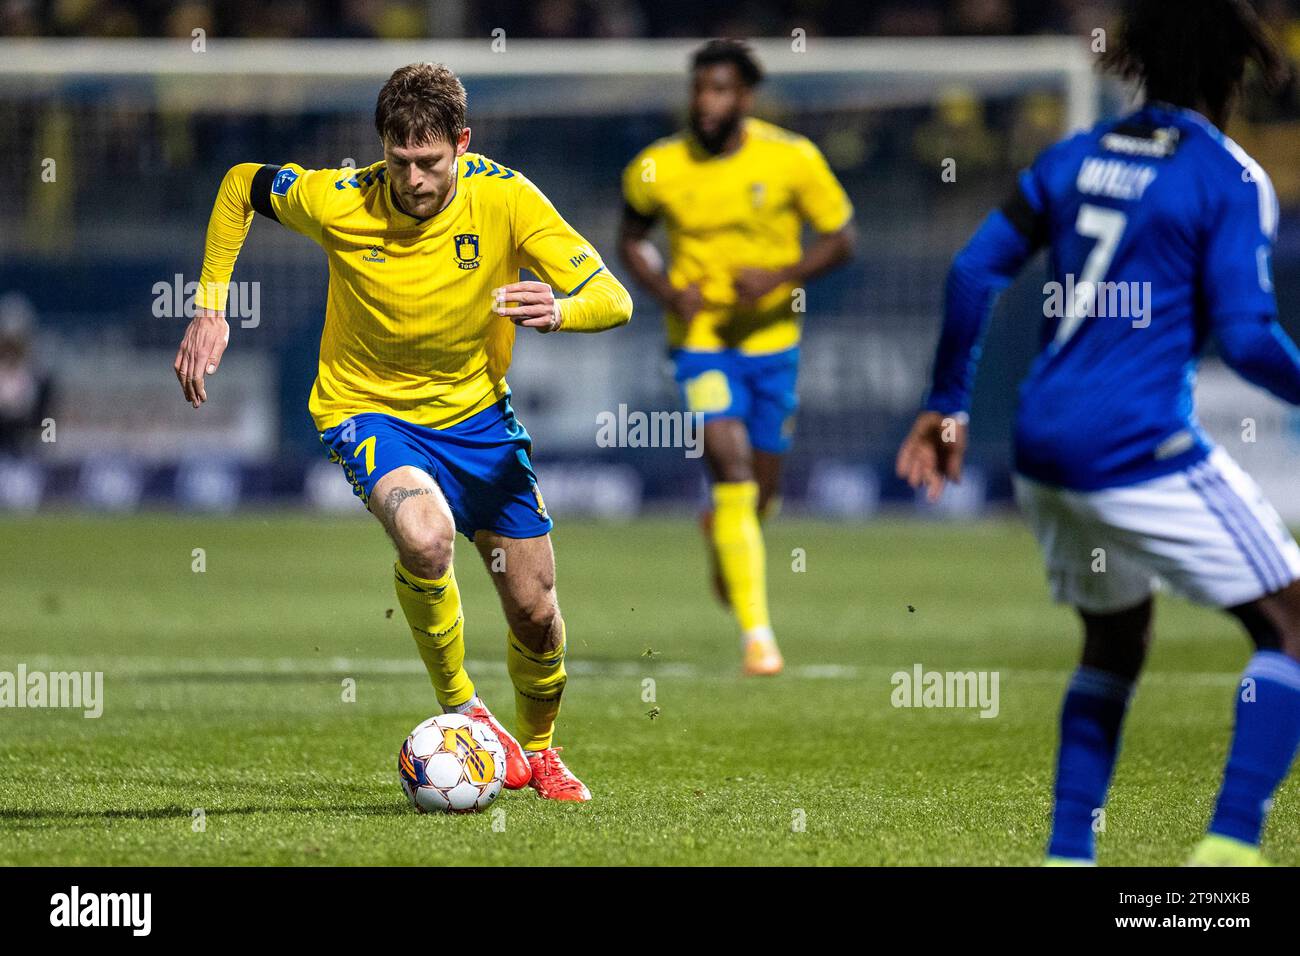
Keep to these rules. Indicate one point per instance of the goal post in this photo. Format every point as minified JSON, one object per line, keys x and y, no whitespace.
{"x":990,"y":63}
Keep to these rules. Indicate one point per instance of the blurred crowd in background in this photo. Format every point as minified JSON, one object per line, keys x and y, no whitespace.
{"x":90,"y":257}
{"x":414,"y":19}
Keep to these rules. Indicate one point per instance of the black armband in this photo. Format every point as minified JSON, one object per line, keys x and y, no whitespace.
{"x":259,"y":194}
{"x":1028,"y":221}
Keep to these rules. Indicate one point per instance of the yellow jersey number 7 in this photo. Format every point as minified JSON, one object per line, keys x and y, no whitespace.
{"x":366,"y":451}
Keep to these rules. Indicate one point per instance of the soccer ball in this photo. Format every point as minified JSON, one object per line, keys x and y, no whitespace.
{"x":451,"y":764}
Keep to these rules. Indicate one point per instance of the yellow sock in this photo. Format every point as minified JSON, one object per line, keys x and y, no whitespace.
{"x":432,"y":608}
{"x":539,"y":683}
{"x":738,"y":540}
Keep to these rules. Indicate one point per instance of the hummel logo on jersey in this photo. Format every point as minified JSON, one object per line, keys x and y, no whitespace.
{"x":369,"y":177}
{"x":375,"y":254}
{"x":1157,"y":143}
{"x":487,"y":169}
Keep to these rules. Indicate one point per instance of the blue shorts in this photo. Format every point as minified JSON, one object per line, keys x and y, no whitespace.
{"x":757,"y":389}
{"x":481,"y":464}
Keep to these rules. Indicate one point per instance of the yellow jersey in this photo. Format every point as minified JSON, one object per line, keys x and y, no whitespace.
{"x":727,"y":213}
{"x":409,"y":327}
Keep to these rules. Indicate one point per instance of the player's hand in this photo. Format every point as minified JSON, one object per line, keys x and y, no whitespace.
{"x":933,"y":453}
{"x":686,"y":302}
{"x":752,"y":284}
{"x":531,"y":305}
{"x":200,"y":353}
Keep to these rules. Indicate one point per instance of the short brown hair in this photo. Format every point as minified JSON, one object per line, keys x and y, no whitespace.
{"x":420,"y":104}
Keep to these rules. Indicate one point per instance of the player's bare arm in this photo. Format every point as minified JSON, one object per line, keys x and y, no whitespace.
{"x":826,"y":253}
{"x":642,"y":259}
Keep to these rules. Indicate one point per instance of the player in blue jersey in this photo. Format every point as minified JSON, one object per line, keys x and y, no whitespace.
{"x":1160,"y":230}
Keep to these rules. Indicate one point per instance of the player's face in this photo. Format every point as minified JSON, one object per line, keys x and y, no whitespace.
{"x":424,"y":176}
{"x":719,"y":101}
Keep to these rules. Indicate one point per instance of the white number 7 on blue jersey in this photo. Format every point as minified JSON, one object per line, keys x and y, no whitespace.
{"x":1107,"y":227}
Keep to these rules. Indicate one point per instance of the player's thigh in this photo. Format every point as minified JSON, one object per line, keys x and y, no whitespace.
{"x":392,"y":474}
{"x":484,"y":467}
{"x":1208,"y":532}
{"x":414,"y":512}
{"x":523,"y":572}
{"x":772,"y":383}
{"x":714,"y":389}
{"x":727,"y":451}
{"x":1088,"y":566}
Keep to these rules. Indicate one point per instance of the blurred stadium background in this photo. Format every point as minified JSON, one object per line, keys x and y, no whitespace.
{"x":119,"y":119}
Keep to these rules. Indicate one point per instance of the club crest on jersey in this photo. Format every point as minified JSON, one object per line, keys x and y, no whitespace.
{"x":467,"y":250}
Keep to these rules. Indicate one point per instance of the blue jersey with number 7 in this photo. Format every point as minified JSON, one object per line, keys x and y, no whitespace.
{"x":1160,"y":231}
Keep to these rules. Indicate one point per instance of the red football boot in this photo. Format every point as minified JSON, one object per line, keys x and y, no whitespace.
{"x":552,"y":779}
{"x":518,"y":773}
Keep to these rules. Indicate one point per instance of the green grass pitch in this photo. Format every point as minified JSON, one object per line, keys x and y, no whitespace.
{"x":224,"y":692}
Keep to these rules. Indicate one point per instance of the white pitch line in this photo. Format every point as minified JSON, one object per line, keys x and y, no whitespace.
{"x":235,"y":667}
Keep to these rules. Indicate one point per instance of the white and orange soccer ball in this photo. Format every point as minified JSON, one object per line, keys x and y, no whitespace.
{"x":451,"y":764}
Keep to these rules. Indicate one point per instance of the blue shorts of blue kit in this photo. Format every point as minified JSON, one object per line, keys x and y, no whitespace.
{"x":760,"y":390}
{"x":481,"y":464}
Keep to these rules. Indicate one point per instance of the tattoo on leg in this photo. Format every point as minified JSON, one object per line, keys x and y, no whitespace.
{"x":394,"y":500}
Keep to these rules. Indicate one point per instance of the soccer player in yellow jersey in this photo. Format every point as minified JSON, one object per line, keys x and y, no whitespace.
{"x":425,"y":250}
{"x":734,"y":194}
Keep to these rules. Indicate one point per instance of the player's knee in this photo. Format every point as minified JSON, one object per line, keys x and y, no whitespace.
{"x":535,"y":618}
{"x":1118,"y":643}
{"x":427,"y":547}
{"x":733,"y":468}
{"x":727,"y":452}
{"x":1286,"y":621}
{"x":1260,"y":625}
{"x":1273,"y":622}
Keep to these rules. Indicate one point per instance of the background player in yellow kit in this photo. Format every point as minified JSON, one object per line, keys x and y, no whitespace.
{"x":734,"y":194}
{"x":425,"y":249}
